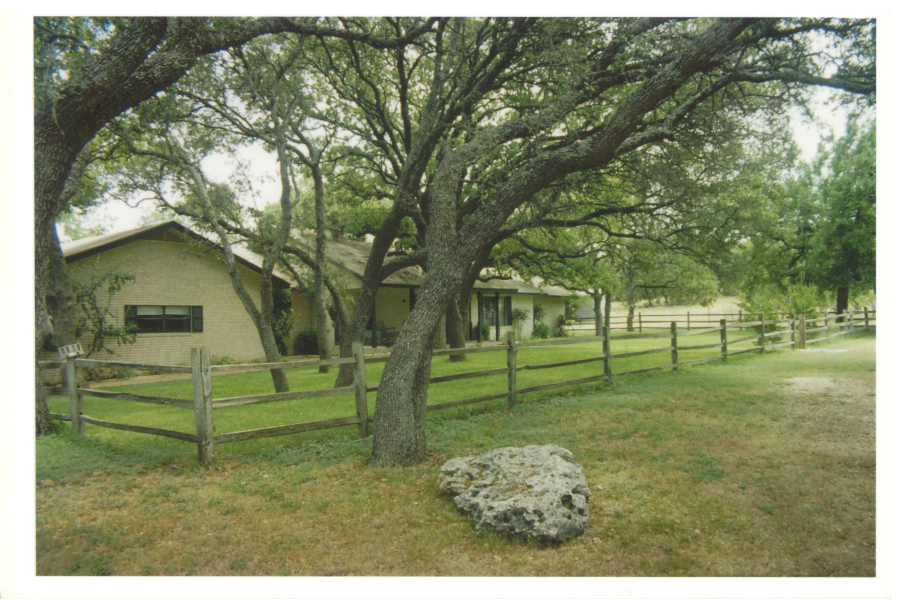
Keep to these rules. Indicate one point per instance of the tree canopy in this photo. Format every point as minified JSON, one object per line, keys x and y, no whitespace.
{"x":820,"y":227}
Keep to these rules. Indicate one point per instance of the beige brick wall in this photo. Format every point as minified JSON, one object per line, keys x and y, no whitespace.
{"x":553,"y":308}
{"x":392,"y":306}
{"x":183,"y":274}
{"x":304,"y":317}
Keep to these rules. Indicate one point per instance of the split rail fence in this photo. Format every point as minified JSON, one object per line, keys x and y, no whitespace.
{"x":686,"y":320}
{"x":768,"y":334}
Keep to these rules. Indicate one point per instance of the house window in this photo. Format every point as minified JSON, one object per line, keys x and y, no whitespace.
{"x":165,"y":319}
{"x":491,"y":310}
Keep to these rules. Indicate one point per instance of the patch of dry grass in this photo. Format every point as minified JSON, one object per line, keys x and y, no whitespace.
{"x":763,"y":467}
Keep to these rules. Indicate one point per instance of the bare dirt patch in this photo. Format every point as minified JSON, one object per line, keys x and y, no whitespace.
{"x":838,"y":416}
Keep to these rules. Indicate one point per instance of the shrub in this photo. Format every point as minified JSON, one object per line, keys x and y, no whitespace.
{"x":519,"y":318}
{"x":796,"y":299}
{"x":560,"y":328}
{"x":306,"y":343}
{"x":571,"y":305}
{"x":541,"y":331}
{"x":95,"y":320}
{"x":282,"y":318}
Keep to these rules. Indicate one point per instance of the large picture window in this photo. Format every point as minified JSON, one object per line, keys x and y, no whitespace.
{"x":165,"y":319}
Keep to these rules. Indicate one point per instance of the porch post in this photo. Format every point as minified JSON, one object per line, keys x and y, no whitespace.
{"x":481,"y":303}
{"x":374,"y":328}
{"x":497,"y":316}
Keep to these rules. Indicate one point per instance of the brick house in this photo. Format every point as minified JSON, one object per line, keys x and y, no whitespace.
{"x":492,"y":303}
{"x":182,"y":296}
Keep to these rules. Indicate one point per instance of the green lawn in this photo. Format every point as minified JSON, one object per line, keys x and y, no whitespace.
{"x":764,"y":466}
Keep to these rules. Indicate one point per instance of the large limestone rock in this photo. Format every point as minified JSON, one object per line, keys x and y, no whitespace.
{"x":535,"y":492}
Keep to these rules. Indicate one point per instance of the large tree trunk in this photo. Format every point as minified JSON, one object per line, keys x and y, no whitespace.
{"x":440,"y":339}
{"x":54,"y":160}
{"x":456,"y":330}
{"x":841,"y":303}
{"x":459,"y":318}
{"x":62,"y":307}
{"x":399,"y":420}
{"x":43,"y":423}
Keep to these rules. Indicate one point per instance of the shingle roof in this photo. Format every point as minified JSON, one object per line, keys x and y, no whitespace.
{"x":83,"y":248}
{"x":352,"y":256}
{"x":77,"y":249}
{"x":344,"y":253}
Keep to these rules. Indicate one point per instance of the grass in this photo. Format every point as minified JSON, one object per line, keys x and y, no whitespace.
{"x":284,"y":413}
{"x":717,"y":470}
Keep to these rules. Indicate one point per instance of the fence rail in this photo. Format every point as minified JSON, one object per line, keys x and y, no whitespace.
{"x":767,"y":335}
{"x":687,"y":320}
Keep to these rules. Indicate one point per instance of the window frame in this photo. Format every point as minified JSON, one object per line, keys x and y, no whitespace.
{"x":495,"y":312}
{"x":167,"y":322}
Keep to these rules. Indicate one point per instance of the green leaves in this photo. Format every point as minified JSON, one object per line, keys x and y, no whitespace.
{"x":95,"y":320}
{"x":843,"y":247}
{"x":823,"y":231}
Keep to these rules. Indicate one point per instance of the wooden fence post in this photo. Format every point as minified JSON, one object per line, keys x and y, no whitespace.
{"x":608,"y":362}
{"x":675,"y":345}
{"x":802,"y":333}
{"x":203,"y":404}
{"x":360,"y":392}
{"x":688,"y":320}
{"x":762,"y":340}
{"x":639,"y":322}
{"x":828,"y":332}
{"x":794,"y":322}
{"x":511,"y":368}
{"x":723,"y":341}
{"x":76,"y":400}
{"x":866,"y":318}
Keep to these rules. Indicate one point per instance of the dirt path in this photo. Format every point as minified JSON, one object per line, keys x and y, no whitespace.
{"x":839,"y":417}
